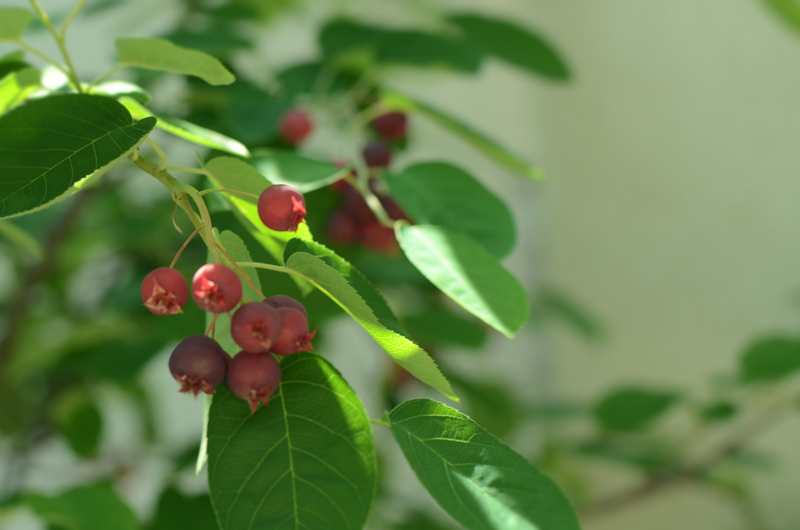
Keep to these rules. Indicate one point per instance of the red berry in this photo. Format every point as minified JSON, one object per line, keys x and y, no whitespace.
{"x":356,"y":206}
{"x":378,"y":238}
{"x":255,"y":326}
{"x":216,"y":288}
{"x":391,"y":126}
{"x":281,"y":208}
{"x":377,"y":154}
{"x":393,"y":209}
{"x":294,"y":336}
{"x":198,"y":363}
{"x":294,"y":126}
{"x":164,"y":291}
{"x":342,"y":228}
{"x":281,"y":300}
{"x":254,"y":377}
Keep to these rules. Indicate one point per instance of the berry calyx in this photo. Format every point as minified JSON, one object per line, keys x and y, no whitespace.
{"x":164,"y":291}
{"x":216,"y":288}
{"x":254,"y":377}
{"x":281,"y":208}
{"x":281,"y":300}
{"x":379,"y":238}
{"x":391,"y":126}
{"x":198,"y":363}
{"x":255,"y":326}
{"x":294,"y":336}
{"x":342,"y":228}
{"x":295,"y":126}
{"x":377,"y":154}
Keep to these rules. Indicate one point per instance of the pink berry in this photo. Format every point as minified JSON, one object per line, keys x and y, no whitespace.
{"x":294,"y":336}
{"x":164,"y":291}
{"x":216,"y":288}
{"x":198,"y":364}
{"x":342,"y":228}
{"x":281,"y":300}
{"x":295,"y":126}
{"x":281,"y":208}
{"x":378,"y":238}
{"x":255,"y":326}
{"x":377,"y":154}
{"x":254,"y":377}
{"x":391,"y":126}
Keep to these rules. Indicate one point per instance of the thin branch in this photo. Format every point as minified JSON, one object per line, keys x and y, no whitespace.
{"x":41,"y":56}
{"x":238,"y":268}
{"x":161,"y":155}
{"x":68,"y":20}
{"x":99,"y":78}
{"x":180,"y":250}
{"x":226,"y":190}
{"x":72,"y":73}
{"x":188,"y":170}
{"x":379,"y":422}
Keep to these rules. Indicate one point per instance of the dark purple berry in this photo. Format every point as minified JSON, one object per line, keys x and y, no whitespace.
{"x":295,"y":126}
{"x":255,"y":326}
{"x":281,"y":208}
{"x":294,"y":336}
{"x":165,"y":291}
{"x":281,"y":300}
{"x":198,"y":363}
{"x":377,"y":154}
{"x":254,"y":377}
{"x":216,"y":288}
{"x":391,"y":126}
{"x":356,"y":206}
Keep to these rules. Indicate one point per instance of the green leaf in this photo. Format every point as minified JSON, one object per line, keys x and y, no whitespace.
{"x":340,"y":37}
{"x":78,"y":419}
{"x":232,"y":173}
{"x":352,"y":292}
{"x":74,"y":136}
{"x":118,"y":89}
{"x":787,"y":10}
{"x":465,"y":272}
{"x":632,"y":409}
{"x":13,"y":21}
{"x":481,"y":482}
{"x":15,"y":56}
{"x":304,"y":174}
{"x":718,"y":411}
{"x":490,"y":148}
{"x":176,"y":511}
{"x":489,"y":404}
{"x":305,"y":461}
{"x":513,"y":44}
{"x":85,"y":508}
{"x":417,"y":48}
{"x":444,"y":195}
{"x":161,"y":54}
{"x":17,"y":86}
{"x":438,"y":327}
{"x":187,"y":131}
{"x":770,"y":359}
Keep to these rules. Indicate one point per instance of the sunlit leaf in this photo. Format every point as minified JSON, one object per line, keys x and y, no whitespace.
{"x":481,"y":482}
{"x":305,"y":461}
{"x":161,"y":54}
{"x":304,"y":174}
{"x":13,"y":21}
{"x":468,"y":274}
{"x":74,"y":136}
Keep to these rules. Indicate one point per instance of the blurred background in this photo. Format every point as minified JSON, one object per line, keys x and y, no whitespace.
{"x":661,"y":244}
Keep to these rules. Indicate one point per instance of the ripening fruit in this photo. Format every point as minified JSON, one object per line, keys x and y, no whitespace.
{"x":165,"y":291}
{"x":356,"y":206}
{"x":377,"y":154}
{"x":342,"y":228}
{"x":295,"y":126}
{"x":198,"y":363}
{"x":379,"y":238}
{"x":254,"y":377}
{"x":393,"y":209}
{"x":281,"y":208}
{"x":255,"y":326}
{"x":281,"y":300}
{"x":216,"y":288}
{"x":294,"y":336}
{"x":391,"y":126}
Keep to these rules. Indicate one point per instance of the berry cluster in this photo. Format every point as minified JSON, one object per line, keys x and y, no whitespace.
{"x":354,"y":221}
{"x":277,"y":325}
